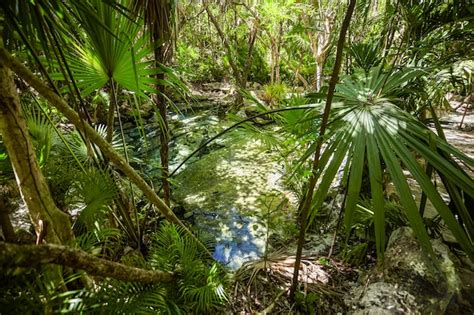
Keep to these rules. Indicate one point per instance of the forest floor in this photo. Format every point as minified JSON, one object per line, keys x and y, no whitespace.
{"x":225,"y":189}
{"x":239,"y":187}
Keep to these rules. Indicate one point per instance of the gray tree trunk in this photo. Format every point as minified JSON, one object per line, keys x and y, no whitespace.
{"x":50,"y":222}
{"x":308,"y":198}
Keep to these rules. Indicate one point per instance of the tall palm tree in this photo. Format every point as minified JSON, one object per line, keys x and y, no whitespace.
{"x":159,"y":18}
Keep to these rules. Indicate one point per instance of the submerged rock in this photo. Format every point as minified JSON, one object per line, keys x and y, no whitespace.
{"x":233,"y":194}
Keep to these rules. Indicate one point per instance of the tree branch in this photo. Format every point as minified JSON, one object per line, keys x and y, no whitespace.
{"x":103,"y":145}
{"x":248,"y":61}
{"x":13,"y":255}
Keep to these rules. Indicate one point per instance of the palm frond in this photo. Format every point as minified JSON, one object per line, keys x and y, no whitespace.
{"x":200,"y":285}
{"x":112,"y":296}
{"x":79,"y":147}
{"x":366,"y":55}
{"x":368,"y":126}
{"x":97,"y":239}
{"x":96,"y":191}
{"x":41,"y":131}
{"x":115,"y":52}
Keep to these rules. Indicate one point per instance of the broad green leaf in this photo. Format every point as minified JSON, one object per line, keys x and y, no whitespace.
{"x":328,"y":176}
{"x":355,"y":178}
{"x":376,"y":186}
{"x":404,"y":191}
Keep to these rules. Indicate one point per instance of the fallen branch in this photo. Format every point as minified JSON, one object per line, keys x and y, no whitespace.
{"x":13,"y":255}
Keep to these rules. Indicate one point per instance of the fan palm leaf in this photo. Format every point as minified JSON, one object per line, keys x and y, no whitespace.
{"x":369,"y":130}
{"x":199,"y":286}
{"x":80,"y":151}
{"x":366,"y":55}
{"x":96,"y":191}
{"x":115,"y":52}
{"x":41,"y":131}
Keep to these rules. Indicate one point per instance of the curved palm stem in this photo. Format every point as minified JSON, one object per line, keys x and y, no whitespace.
{"x":125,"y":150}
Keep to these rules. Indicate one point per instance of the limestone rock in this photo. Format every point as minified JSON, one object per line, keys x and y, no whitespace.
{"x":413,"y":282}
{"x":433,"y":283}
{"x":384,"y":298}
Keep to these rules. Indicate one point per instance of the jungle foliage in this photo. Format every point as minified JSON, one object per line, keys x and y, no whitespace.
{"x":107,"y":62}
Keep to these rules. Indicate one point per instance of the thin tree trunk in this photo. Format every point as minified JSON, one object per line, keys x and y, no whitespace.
{"x":319,"y":75}
{"x":13,"y":255}
{"x":225,"y":42}
{"x":103,"y":145}
{"x":47,"y":219}
{"x":111,"y":112}
{"x":275,"y":46}
{"x":272,"y":62}
{"x":312,"y":181}
{"x":321,"y":43}
{"x":248,"y":65}
{"x":320,"y":57}
{"x":240,"y":76}
{"x":164,"y":134}
{"x":249,"y":60}
{"x":277,"y":53}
